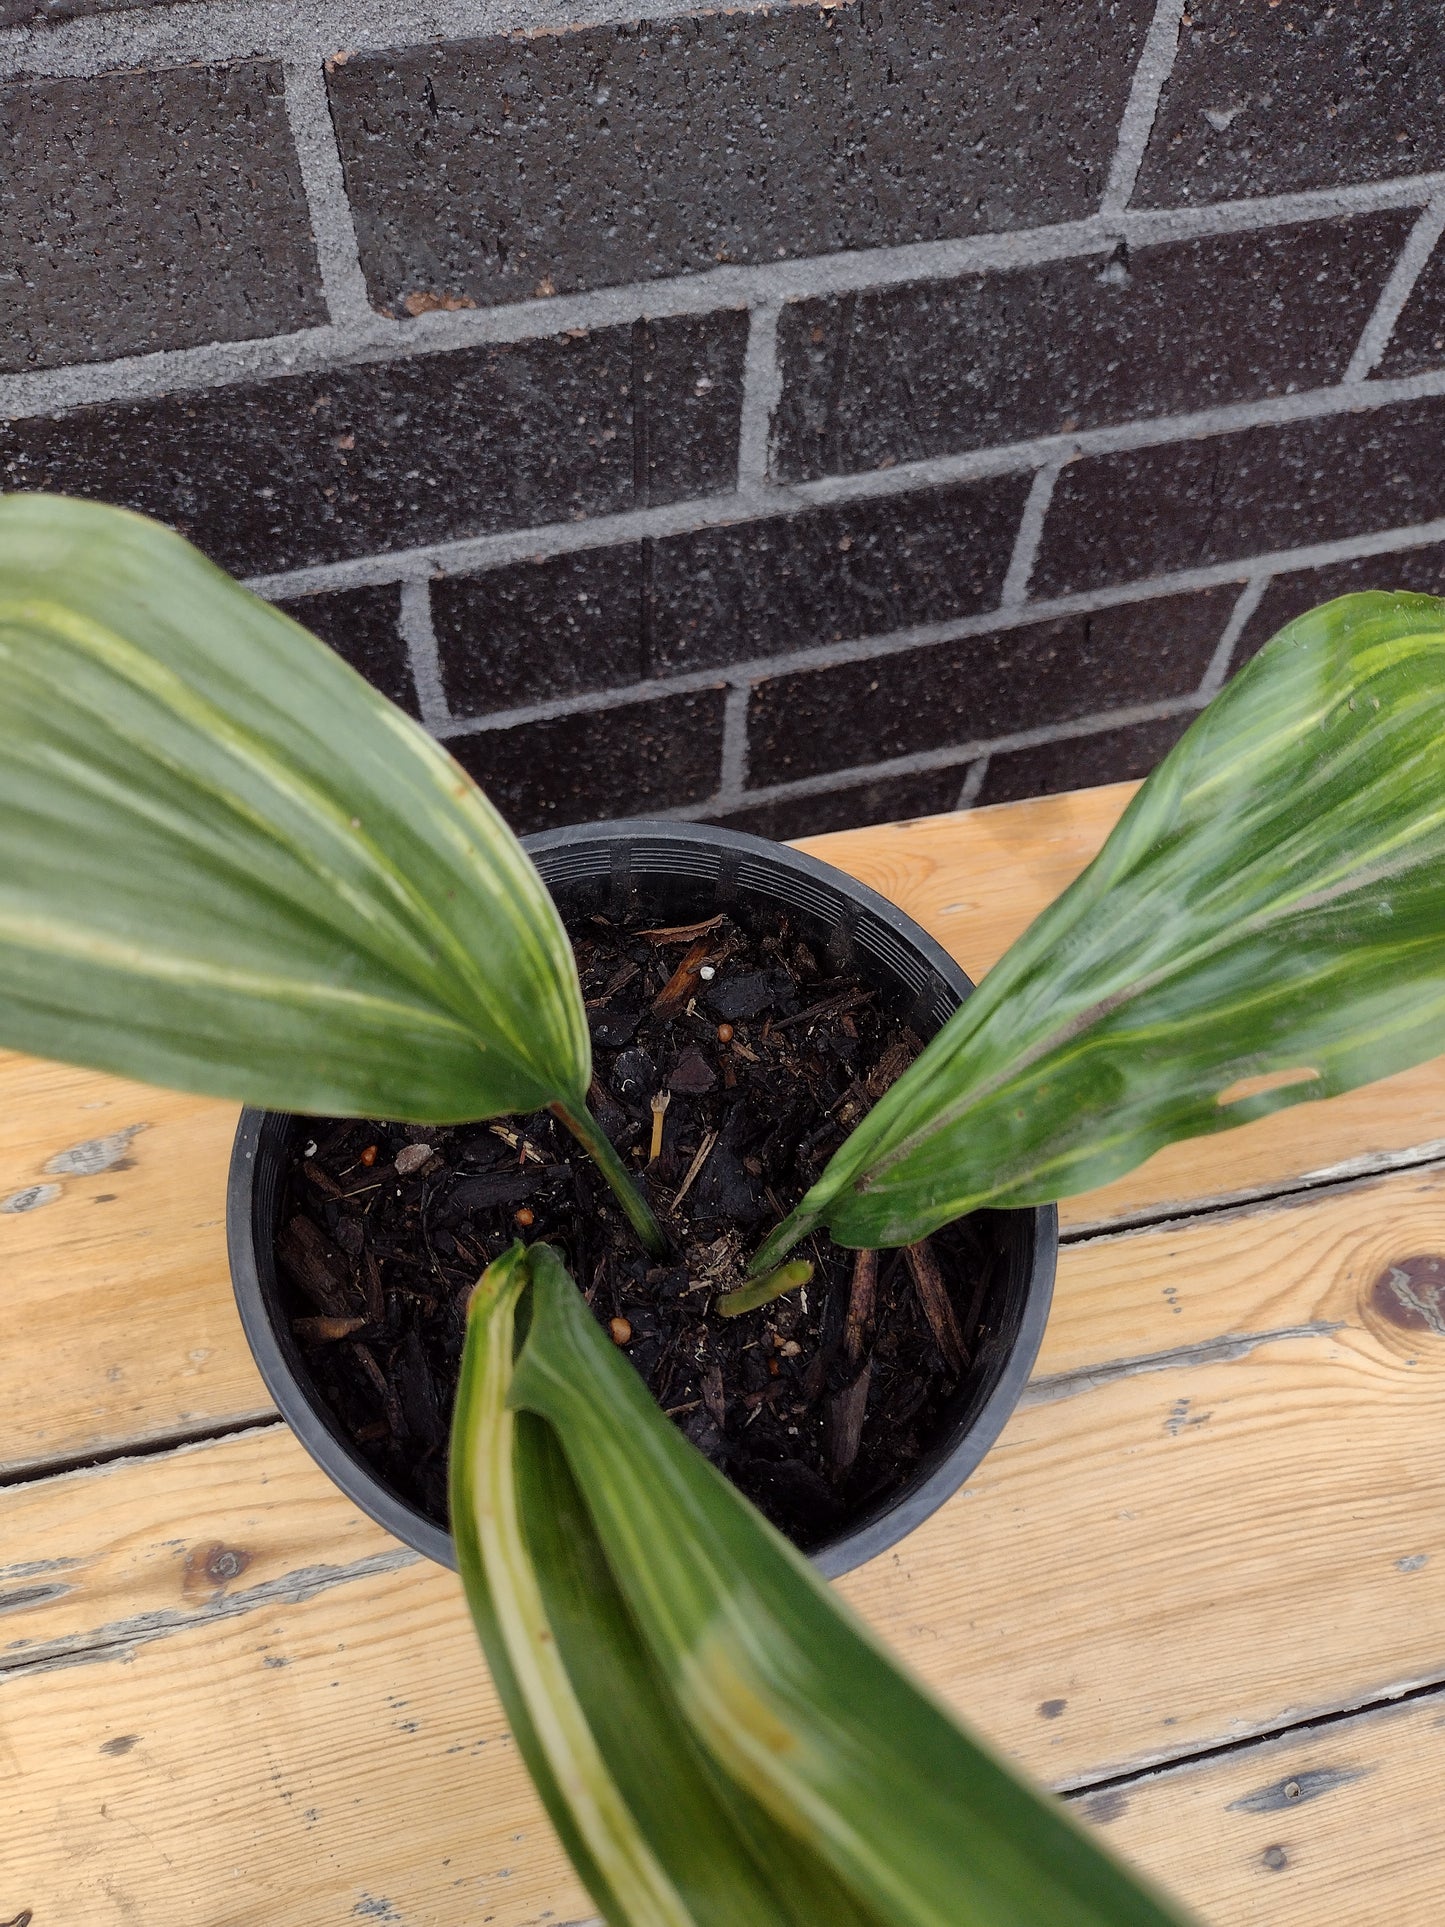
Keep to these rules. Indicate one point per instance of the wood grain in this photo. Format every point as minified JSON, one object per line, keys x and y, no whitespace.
{"x":1235,"y":1525}
{"x":226,"y":1698}
{"x":977,"y":879}
{"x":121,"y":1327}
{"x":1331,"y":1827}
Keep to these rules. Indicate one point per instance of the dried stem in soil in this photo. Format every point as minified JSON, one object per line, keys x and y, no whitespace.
{"x":937,"y":1306}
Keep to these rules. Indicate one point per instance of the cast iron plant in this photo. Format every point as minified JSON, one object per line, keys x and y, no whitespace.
{"x":230,"y":866}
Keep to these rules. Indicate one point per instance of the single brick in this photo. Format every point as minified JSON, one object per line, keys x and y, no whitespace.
{"x":889,"y":799}
{"x":688,"y":374}
{"x":970,"y":691}
{"x":535,"y":630}
{"x":1419,"y":570}
{"x":144,"y":211}
{"x":1418,"y":340}
{"x":831,"y":574}
{"x":1080,"y":762}
{"x":1116,"y":518}
{"x":363,"y":626}
{"x":1268,"y":99}
{"x":310,"y":468}
{"x":614,"y":762}
{"x":904,"y":373}
{"x":537,"y":163}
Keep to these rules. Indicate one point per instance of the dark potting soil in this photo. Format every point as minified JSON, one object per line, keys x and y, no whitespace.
{"x":816,"y":1405}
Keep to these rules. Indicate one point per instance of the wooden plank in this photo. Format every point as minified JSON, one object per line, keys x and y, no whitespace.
{"x":120,"y":1325}
{"x":1194,"y":1528}
{"x":1397,"y":1122}
{"x":976,"y":880}
{"x":1191,"y":1288}
{"x":1236,"y":1526}
{"x":313,"y":1740}
{"x":1330,"y":1827}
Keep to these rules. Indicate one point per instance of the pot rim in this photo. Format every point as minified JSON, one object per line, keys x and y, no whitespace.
{"x":278,"y":1360}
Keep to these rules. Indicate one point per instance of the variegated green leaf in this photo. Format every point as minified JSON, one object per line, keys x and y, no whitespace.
{"x":1265,"y":925}
{"x":719,"y":1742}
{"x":228,"y":864}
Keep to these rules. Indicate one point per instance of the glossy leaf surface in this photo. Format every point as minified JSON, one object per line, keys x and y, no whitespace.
{"x":229,"y":865}
{"x":1265,"y":925}
{"x":718,"y":1740}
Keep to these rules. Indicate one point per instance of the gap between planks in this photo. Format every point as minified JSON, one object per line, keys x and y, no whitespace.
{"x":1359,"y":1496}
{"x":1041,"y":1389}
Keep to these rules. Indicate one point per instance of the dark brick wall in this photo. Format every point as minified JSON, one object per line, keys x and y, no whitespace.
{"x":626,"y":761}
{"x":936,"y":367}
{"x":1293,"y":591}
{"x":1271,"y":99}
{"x":505,"y":167}
{"x":364,"y":626}
{"x":145,"y":211}
{"x":1116,"y":518}
{"x":794,"y":416}
{"x":984,"y":687}
{"x":345,"y":461}
{"x":1418,"y":342}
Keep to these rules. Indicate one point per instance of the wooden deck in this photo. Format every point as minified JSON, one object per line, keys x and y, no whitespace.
{"x":1199,"y":1584}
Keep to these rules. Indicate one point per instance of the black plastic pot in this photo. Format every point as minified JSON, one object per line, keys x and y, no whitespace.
{"x":675,"y":873}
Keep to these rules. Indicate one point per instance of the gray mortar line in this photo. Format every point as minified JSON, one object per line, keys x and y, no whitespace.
{"x":733,"y":763}
{"x":419,"y":635}
{"x":464,"y":555}
{"x":245,"y":29}
{"x":1210,"y":1351}
{"x":473,"y":553}
{"x":1272,"y":411}
{"x":1156,"y":63}
{"x":446,"y":332}
{"x":173,"y":371}
{"x":923,"y":635}
{"x":741,"y":676}
{"x":952,"y":756}
{"x":378,"y":338}
{"x":123,"y":1638}
{"x":921,"y":761}
{"x":1147,"y":227}
{"x":1419,"y":246}
{"x":1247,"y":601}
{"x":973,"y":782}
{"x":1260,"y":574}
{"x":1030,"y":534}
{"x":332,"y":226}
{"x":762,"y":391}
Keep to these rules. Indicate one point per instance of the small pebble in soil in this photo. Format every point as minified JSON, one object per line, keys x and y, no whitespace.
{"x":368,"y":1156}
{"x":526,"y":1217}
{"x":621,"y":1331}
{"x":725,"y":1033}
